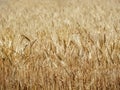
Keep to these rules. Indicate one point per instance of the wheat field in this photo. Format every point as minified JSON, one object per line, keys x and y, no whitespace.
{"x":59,"y":45}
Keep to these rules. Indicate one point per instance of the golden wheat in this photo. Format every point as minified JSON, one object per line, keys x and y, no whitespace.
{"x":55,"y":45}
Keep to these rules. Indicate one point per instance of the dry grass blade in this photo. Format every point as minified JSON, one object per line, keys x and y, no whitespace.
{"x":25,"y":37}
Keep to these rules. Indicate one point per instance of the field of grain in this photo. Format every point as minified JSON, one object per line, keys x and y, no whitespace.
{"x":59,"y":44}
